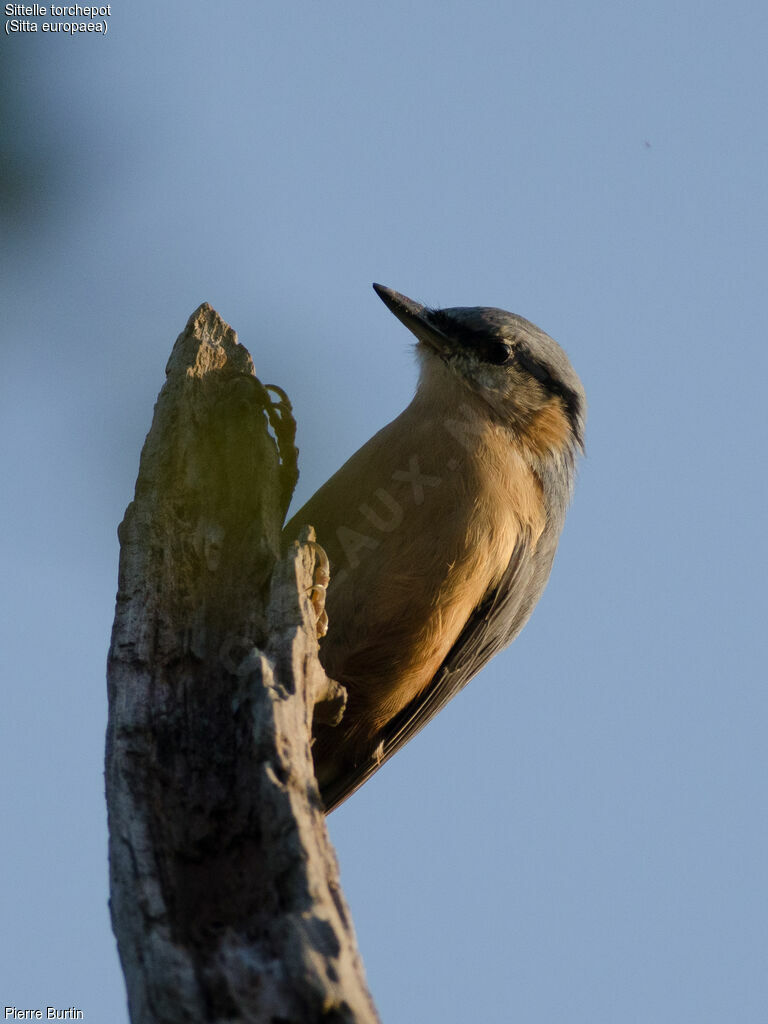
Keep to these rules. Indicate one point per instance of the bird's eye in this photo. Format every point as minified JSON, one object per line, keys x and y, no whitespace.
{"x":497,"y":353}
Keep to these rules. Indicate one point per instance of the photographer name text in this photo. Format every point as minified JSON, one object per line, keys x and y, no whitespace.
{"x":49,"y":1013}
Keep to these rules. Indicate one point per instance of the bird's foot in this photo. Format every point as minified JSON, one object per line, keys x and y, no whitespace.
{"x":330,"y":700}
{"x":321,"y":577}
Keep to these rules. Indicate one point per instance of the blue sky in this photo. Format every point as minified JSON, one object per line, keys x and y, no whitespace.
{"x":581,"y":834}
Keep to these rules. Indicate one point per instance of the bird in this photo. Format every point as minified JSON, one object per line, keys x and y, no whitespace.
{"x":441,"y":530}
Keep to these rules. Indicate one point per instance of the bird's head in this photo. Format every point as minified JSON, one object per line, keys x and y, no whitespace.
{"x":519,"y":372}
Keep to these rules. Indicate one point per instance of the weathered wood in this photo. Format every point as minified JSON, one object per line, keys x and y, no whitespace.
{"x":225,"y":895}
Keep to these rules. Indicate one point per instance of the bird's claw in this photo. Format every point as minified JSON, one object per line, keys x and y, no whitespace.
{"x":320,"y":579}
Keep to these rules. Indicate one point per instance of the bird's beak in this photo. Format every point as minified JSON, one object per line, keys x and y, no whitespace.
{"x":415,"y":317}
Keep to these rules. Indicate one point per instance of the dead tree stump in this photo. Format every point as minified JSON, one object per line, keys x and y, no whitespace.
{"x":225,"y":897}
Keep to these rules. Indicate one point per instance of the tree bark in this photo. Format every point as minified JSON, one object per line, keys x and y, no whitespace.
{"x":225,"y":897}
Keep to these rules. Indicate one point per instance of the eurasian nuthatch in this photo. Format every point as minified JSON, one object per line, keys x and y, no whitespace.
{"x":441,"y":530}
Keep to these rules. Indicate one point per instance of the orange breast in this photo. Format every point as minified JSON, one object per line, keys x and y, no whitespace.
{"x":410,"y":566}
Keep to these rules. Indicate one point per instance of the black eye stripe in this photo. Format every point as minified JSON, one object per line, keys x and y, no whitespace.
{"x":490,"y":350}
{"x":536,"y":370}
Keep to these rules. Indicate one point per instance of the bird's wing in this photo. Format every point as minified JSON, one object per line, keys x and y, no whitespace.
{"x":496,"y":620}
